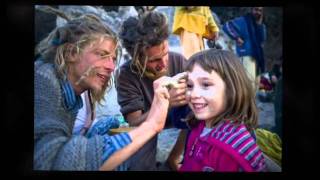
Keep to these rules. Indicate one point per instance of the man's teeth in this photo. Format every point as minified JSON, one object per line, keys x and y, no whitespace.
{"x":102,"y":76}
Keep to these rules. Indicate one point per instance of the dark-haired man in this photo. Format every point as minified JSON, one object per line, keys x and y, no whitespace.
{"x":146,"y":40}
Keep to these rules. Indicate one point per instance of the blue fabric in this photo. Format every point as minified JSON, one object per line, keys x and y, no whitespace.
{"x":257,"y":36}
{"x":103,"y":125}
{"x":55,"y":148}
{"x":177,"y":114}
{"x":72,"y":101}
{"x":115,"y":143}
{"x":57,"y":42}
{"x":251,"y":33}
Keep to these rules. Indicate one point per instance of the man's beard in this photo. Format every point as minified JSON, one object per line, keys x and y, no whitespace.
{"x":152,"y":74}
{"x":97,"y":94}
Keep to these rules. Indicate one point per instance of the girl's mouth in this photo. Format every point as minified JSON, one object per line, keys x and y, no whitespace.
{"x":198,"y":107}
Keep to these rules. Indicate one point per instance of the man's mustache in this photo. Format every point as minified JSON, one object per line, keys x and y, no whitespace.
{"x":89,"y":72}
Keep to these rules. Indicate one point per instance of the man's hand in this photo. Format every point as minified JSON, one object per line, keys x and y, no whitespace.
{"x":178,"y":90}
{"x":159,"y":107}
{"x":178,"y":94}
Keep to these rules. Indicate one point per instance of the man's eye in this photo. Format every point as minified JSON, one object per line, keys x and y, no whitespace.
{"x":100,"y":54}
{"x":154,"y":60}
{"x":103,"y":55}
{"x":189,"y":86}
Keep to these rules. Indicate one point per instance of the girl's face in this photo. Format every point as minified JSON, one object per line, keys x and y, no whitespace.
{"x":205,"y":94}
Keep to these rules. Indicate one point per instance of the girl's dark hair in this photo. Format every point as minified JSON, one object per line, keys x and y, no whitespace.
{"x":240,"y":96}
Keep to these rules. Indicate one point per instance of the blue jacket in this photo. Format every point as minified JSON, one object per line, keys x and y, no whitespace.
{"x":251,"y":33}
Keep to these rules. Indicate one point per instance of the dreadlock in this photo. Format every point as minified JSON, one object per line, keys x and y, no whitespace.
{"x":139,"y":34}
{"x":72,"y":38}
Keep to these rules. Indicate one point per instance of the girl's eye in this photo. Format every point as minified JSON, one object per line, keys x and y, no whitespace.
{"x":206,"y":85}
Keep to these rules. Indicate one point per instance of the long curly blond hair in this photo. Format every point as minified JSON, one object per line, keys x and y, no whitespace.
{"x":70,"y":39}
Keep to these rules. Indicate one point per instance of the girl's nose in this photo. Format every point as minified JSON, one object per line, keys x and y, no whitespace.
{"x":194,"y":93}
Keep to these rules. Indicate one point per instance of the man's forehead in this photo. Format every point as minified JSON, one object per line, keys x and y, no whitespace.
{"x":106,"y":49}
{"x":158,"y":51}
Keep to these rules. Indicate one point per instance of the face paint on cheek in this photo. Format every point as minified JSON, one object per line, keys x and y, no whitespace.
{"x":188,"y":95}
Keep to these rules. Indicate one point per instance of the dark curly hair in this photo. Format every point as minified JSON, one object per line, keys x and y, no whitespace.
{"x":128,"y":34}
{"x":139,"y":34}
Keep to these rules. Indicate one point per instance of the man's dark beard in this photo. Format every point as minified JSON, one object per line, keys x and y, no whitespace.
{"x":151,"y":74}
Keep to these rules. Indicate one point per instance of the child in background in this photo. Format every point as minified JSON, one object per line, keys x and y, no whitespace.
{"x":224,"y":116}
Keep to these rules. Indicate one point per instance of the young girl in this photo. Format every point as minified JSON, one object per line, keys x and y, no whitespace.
{"x":224,"y":115}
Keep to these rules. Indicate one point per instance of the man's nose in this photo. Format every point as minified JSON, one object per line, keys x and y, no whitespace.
{"x":163,"y":62}
{"x":109,"y":64}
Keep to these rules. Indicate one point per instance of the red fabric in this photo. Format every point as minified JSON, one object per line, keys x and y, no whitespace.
{"x":210,"y":154}
{"x":265,"y":84}
{"x":209,"y":159}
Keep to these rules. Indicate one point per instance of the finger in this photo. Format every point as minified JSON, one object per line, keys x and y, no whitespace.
{"x":184,"y":102}
{"x":179,"y":76}
{"x":181,"y":97}
{"x":181,"y":85}
{"x":179,"y":103}
{"x":182,"y":81}
{"x":164,"y":92}
{"x":181,"y":91}
{"x":177,"y":100}
{"x":174,"y":93}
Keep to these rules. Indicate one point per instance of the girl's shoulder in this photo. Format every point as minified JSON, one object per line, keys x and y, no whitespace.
{"x":237,"y":142}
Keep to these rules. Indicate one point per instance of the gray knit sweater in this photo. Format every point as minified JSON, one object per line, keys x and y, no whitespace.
{"x":55,"y":148}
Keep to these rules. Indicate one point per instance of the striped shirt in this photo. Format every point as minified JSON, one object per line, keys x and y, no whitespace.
{"x":228,"y":147}
{"x":241,"y":141}
{"x":115,"y":143}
